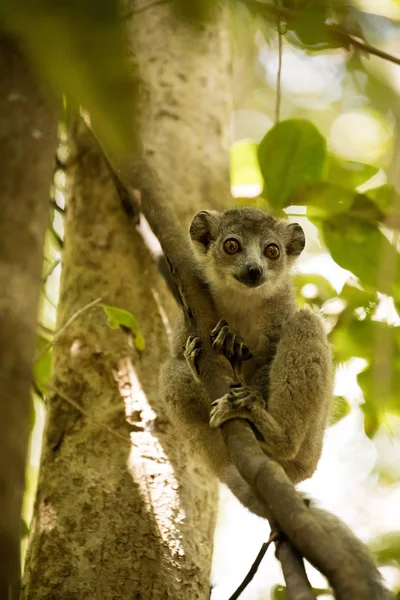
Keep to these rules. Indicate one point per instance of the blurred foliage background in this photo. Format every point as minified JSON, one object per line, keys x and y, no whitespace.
{"x":315,"y":137}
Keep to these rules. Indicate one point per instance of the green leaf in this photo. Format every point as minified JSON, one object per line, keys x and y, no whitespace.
{"x":323,"y":199}
{"x":42,"y":365}
{"x":279,"y":592}
{"x":361,"y":338}
{"x":364,"y":209}
{"x":386,"y":549}
{"x":348,"y":174}
{"x":323,"y":288}
{"x":380,"y":384}
{"x":372,"y":420}
{"x":360,"y":247}
{"x":356,"y":297}
{"x":291,"y":155}
{"x":326,"y":200}
{"x":387,"y":200}
{"x":119,"y":317}
{"x":383,"y":196}
{"x":340,"y":409}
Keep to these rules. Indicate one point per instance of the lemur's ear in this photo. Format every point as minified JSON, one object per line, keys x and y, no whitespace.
{"x":295,"y":240}
{"x":204,"y":229}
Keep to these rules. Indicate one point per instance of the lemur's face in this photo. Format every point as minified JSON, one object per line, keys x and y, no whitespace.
{"x":245,"y":248}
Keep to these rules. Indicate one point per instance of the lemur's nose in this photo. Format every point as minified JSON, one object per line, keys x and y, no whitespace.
{"x":254,"y":272}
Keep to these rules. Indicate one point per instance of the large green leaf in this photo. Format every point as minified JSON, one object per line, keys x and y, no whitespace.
{"x":361,"y":338}
{"x":388,"y":202}
{"x":323,"y":199}
{"x":291,"y":155}
{"x":79,"y":48}
{"x":360,"y":247}
{"x":380,"y":384}
{"x":348,"y":174}
{"x":309,"y":26}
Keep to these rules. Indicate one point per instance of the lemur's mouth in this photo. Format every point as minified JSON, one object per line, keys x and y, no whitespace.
{"x":249,"y":282}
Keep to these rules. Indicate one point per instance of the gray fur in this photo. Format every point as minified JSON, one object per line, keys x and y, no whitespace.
{"x":288,"y":381}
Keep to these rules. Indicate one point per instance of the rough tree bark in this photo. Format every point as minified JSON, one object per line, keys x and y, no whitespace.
{"x":27,"y":149}
{"x":114,"y":520}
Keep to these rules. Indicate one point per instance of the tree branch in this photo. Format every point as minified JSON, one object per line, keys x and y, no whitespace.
{"x":310,"y":531}
{"x":272,"y":13}
{"x":254,"y":567}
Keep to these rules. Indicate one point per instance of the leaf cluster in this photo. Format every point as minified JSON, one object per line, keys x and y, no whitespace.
{"x":359,"y":230}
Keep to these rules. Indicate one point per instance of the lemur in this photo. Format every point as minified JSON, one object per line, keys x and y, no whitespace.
{"x":280,"y":354}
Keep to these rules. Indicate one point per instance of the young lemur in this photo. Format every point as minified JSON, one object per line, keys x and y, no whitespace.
{"x":281,"y":354}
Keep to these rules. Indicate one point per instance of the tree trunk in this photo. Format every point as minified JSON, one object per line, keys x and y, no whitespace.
{"x":114,"y":519}
{"x":27,"y":146}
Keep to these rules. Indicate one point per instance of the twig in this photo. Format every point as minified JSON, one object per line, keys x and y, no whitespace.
{"x":65,"y":326}
{"x":272,"y":12}
{"x":350,"y":40}
{"x":278,"y":76}
{"x":254,"y":567}
{"x":81,"y":410}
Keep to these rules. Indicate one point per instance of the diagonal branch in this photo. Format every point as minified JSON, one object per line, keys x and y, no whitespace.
{"x":272,"y":12}
{"x":317,"y":536}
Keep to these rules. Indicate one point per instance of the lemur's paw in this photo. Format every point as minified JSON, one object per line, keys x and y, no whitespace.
{"x":246,"y":397}
{"x":225,"y":341}
{"x":222,"y":411}
{"x":237,"y":404}
{"x":192,"y":352}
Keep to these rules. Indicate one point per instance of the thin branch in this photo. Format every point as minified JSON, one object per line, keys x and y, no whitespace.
{"x":278,"y":76}
{"x":65,"y":326}
{"x":350,"y":40}
{"x":84,"y":412}
{"x":272,"y":12}
{"x":254,"y":567}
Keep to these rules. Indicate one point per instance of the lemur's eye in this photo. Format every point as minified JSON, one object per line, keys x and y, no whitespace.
{"x":272,"y":251}
{"x":231,"y":246}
